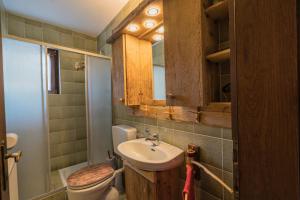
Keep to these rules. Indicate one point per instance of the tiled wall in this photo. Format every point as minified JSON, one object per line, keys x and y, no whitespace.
{"x":26,"y":28}
{"x":68,"y":143}
{"x":215,"y":143}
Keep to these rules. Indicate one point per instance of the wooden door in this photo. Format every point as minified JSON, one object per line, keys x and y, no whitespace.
{"x":183,"y":53}
{"x":265,"y":77}
{"x":3,"y":162}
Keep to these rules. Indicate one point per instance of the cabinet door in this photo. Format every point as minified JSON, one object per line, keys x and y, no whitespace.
{"x":133,"y":87}
{"x":132,"y":71}
{"x":118,"y":80}
{"x":183,"y":53}
{"x":138,"y":67}
{"x":146,"y":72}
{"x":138,"y":187}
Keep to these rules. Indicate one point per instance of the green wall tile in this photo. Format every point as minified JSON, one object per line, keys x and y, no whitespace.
{"x":16,"y":25}
{"x":78,"y":41}
{"x":210,"y":149}
{"x":228,"y":155}
{"x":66,"y":39}
{"x":208,"y":130}
{"x":33,"y":30}
{"x":50,"y":34}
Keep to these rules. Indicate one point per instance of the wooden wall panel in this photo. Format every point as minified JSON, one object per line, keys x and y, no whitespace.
{"x":183,"y":56}
{"x":266,"y":99}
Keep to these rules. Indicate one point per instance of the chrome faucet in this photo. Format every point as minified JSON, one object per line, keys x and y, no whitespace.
{"x":154,"y":138}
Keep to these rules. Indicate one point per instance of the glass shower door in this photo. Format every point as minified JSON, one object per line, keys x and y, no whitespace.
{"x":99,"y":111}
{"x":25,"y":107}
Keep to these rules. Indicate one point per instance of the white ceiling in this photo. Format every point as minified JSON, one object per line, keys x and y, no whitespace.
{"x":84,"y":16}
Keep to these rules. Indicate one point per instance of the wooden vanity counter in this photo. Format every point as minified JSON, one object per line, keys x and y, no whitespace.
{"x":148,"y":185}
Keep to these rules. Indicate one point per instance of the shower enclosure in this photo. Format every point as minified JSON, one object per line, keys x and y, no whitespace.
{"x":59,"y":130}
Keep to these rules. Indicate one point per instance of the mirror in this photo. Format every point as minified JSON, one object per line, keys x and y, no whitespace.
{"x":159,"y":82}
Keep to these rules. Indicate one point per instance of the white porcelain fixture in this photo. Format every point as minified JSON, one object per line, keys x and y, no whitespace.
{"x":144,"y":156}
{"x":102,"y":188}
{"x":13,"y":179}
{"x":11,"y":140}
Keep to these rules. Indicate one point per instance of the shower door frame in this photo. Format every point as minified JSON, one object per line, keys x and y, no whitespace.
{"x":44,"y":46}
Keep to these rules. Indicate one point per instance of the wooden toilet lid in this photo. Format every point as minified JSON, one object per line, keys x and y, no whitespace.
{"x":90,"y":176}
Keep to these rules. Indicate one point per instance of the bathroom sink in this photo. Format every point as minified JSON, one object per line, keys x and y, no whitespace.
{"x":141,"y":154}
{"x":11,"y":140}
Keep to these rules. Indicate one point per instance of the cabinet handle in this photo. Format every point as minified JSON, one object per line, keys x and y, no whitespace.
{"x":171,"y":95}
{"x":122,"y":100}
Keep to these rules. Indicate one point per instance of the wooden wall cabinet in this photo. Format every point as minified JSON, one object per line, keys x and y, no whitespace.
{"x":132,"y":71}
{"x":183,"y":52}
{"x":196,"y":52}
{"x":146,"y":185}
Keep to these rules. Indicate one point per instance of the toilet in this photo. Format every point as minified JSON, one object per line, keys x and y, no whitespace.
{"x":96,"y":182}
{"x":13,"y":179}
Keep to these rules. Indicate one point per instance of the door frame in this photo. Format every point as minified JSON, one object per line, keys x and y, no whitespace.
{"x":265,"y":98}
{"x":4,"y":185}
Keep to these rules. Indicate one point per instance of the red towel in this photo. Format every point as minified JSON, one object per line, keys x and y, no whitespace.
{"x":189,"y":183}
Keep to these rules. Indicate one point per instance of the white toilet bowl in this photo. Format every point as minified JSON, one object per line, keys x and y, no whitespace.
{"x":95,"y":182}
{"x":99,"y":189}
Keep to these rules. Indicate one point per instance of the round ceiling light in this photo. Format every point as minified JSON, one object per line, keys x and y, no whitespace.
{"x":160,"y":30}
{"x":149,"y":23}
{"x":152,"y":11}
{"x":133,"y":27}
{"x":157,"y":37}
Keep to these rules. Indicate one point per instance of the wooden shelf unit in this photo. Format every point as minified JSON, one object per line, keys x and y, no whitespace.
{"x":218,"y":10}
{"x":216,"y":45}
{"x":220,"y":56}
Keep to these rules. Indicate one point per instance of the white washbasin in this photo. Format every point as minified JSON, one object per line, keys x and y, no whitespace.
{"x":11,"y":140}
{"x":141,"y":154}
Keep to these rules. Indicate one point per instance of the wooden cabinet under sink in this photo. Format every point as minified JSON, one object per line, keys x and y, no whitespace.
{"x":146,"y":185}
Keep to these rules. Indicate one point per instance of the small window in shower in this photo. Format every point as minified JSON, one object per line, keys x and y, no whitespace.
{"x":53,"y":71}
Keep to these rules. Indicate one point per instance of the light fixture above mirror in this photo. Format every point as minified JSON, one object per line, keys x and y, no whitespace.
{"x":152,"y":11}
{"x":149,"y":23}
{"x":133,"y":28}
{"x":157,"y":37}
{"x":145,"y":23}
{"x":160,"y":30}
